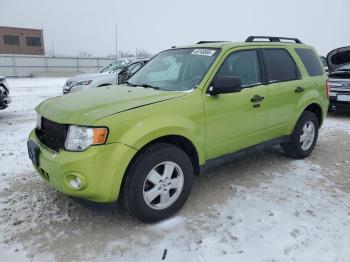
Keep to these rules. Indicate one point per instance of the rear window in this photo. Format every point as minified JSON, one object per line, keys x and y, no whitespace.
{"x":310,"y":60}
{"x":280,"y":65}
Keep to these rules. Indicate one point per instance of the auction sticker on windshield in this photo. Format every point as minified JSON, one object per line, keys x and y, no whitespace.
{"x":205,"y":52}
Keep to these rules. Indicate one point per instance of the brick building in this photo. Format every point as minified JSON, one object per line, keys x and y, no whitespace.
{"x":24,"y":41}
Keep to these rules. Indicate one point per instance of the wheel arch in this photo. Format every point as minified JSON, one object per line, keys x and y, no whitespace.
{"x":183,"y":142}
{"x":313,"y":107}
{"x":180,"y":141}
{"x":317,"y":110}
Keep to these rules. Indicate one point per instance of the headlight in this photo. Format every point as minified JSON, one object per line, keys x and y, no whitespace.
{"x":38,"y":121}
{"x":82,"y":83}
{"x":80,"y":138}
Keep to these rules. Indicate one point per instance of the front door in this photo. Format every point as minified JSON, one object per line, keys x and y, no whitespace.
{"x":237,"y":120}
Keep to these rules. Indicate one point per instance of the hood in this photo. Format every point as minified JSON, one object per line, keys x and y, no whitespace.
{"x":97,"y":76}
{"x":104,"y":76}
{"x":81,"y":77}
{"x":338,"y":57}
{"x":85,"y":108}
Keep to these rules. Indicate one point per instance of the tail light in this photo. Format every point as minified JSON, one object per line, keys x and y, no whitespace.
{"x":328,"y":87}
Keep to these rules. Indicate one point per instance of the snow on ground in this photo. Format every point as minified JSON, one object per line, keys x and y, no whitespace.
{"x":264,"y":207}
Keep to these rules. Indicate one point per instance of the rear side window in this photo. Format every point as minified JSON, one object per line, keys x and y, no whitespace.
{"x":280,"y":66}
{"x":310,"y":60}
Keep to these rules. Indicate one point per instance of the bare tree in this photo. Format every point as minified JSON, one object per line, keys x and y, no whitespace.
{"x":143,"y":53}
{"x":123,"y":54}
{"x":85,"y":54}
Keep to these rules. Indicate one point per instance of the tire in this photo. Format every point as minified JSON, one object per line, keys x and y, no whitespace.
{"x":296,"y":148}
{"x":141,"y":185}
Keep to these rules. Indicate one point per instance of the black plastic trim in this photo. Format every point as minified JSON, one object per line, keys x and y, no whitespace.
{"x":243,"y":152}
{"x":272,"y":39}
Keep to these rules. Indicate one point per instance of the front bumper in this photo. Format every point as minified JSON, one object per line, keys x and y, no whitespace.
{"x":100,"y":168}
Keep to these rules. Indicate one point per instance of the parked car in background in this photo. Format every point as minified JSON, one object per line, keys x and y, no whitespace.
{"x":106,"y":76}
{"x":324,"y":63}
{"x":339,"y":78}
{"x":131,"y":69}
{"x":188,"y":108}
{"x":4,"y":93}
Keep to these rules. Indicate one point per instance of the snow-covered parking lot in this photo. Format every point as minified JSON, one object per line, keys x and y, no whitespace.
{"x":264,"y":207}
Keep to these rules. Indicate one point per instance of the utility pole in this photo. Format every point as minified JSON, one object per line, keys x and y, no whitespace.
{"x":53,"y":50}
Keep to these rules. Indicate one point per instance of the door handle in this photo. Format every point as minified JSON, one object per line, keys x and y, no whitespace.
{"x":299,"y":89}
{"x":257,"y":98}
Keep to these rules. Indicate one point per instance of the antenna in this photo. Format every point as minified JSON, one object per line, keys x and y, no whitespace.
{"x":116,"y":53}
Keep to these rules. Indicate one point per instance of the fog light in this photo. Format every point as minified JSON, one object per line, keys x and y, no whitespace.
{"x":75,"y":183}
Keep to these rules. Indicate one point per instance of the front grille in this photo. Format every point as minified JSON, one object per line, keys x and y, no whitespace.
{"x":52,"y":134}
{"x":340,"y":86}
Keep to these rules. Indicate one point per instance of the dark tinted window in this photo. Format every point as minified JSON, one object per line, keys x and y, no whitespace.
{"x":243,"y":65}
{"x":310,"y":60}
{"x":33,"y":41}
{"x":11,"y":40}
{"x":280,"y":66}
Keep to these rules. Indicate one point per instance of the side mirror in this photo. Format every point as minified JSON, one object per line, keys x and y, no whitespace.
{"x":122,"y":77}
{"x":224,"y":85}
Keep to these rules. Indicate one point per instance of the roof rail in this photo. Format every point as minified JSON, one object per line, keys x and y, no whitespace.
{"x":209,"y":42}
{"x":272,"y":39}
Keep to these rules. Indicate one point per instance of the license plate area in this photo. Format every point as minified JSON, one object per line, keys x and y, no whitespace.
{"x":33,"y":152}
{"x":343,"y":98}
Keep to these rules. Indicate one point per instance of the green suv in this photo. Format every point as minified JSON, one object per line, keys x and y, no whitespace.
{"x":189,"y":107}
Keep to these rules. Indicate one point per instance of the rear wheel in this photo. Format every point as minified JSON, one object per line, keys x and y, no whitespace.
{"x":304,"y":137}
{"x":158,"y":182}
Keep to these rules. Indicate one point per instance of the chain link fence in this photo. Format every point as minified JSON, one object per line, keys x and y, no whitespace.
{"x":28,"y":65}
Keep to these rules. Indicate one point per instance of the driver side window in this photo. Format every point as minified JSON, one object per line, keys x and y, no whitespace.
{"x":243,"y":65}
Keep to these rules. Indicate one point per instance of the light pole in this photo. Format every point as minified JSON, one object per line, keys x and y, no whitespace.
{"x":116,"y":52}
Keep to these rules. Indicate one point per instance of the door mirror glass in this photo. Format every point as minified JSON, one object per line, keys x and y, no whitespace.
{"x":224,"y":85}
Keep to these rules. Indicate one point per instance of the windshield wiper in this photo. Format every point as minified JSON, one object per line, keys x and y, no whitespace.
{"x":129,"y":84}
{"x":149,"y":86}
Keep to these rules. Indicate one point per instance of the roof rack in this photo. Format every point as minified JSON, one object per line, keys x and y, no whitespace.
{"x":209,"y":42}
{"x":272,"y":39}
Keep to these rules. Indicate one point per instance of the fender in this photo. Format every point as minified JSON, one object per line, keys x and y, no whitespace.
{"x":162,"y":125}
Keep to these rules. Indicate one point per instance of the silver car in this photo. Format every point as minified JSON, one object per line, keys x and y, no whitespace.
{"x":106,"y":76}
{"x":4,"y":93}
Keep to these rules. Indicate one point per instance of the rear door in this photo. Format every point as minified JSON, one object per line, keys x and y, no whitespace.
{"x":285,"y":89}
{"x":235,"y":121}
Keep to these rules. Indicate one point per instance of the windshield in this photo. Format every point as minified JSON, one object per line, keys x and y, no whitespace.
{"x":176,"y":69}
{"x":114,"y":66}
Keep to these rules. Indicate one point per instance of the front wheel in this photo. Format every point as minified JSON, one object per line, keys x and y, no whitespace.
{"x":304,"y":137}
{"x":158,"y":182}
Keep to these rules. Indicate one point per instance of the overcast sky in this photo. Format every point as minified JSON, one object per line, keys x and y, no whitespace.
{"x":89,"y":25}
